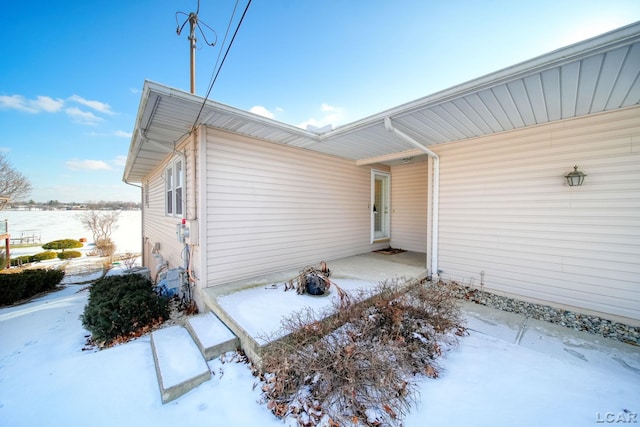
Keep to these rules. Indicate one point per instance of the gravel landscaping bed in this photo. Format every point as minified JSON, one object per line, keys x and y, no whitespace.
{"x":581,"y":322}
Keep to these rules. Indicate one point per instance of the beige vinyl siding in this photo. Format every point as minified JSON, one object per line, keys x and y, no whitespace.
{"x":271,"y":207}
{"x":160,"y":228}
{"x":506,"y":212}
{"x":409,"y":186}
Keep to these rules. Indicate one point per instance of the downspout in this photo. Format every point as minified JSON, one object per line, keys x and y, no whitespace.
{"x":436,"y":193}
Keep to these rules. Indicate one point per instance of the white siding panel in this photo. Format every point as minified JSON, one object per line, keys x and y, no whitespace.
{"x":409,"y":184}
{"x":271,"y":207}
{"x":159,"y":228}
{"x":505,"y":212}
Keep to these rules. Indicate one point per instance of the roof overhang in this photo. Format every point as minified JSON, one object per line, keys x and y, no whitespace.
{"x":596,"y":75}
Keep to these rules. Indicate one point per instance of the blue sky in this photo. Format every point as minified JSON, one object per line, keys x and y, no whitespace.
{"x":71,"y":73}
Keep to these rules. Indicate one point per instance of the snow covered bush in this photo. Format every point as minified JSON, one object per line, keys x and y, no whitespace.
{"x":120,"y":306}
{"x":357,"y":363}
{"x":18,"y":285}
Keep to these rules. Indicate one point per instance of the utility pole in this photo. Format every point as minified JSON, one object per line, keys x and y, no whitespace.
{"x":192,"y":19}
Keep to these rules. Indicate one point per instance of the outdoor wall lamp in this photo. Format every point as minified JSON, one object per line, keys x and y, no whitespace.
{"x":575,"y":178}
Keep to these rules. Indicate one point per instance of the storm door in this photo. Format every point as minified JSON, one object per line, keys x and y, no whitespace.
{"x":380,"y":201}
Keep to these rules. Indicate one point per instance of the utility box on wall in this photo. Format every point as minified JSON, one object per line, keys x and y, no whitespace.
{"x":192,"y":239}
{"x":187,"y":231}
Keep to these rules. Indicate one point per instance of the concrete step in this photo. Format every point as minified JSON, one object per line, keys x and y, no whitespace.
{"x":180,"y":365}
{"x":211,"y":335}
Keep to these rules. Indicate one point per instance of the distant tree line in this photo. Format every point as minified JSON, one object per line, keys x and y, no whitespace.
{"x":15,"y":187}
{"x":57,"y":205}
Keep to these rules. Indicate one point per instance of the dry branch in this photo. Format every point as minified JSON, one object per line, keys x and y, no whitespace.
{"x":356,"y":363}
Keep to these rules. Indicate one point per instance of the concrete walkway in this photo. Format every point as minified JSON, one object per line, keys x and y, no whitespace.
{"x":557,"y":341}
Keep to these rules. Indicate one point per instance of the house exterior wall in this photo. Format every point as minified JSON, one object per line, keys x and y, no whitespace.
{"x":159,"y":228}
{"x":508,"y":222}
{"x":409,"y":184}
{"x":270,"y":207}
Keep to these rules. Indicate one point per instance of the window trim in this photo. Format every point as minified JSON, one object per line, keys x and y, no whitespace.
{"x":174,"y":188}
{"x":145,"y":194}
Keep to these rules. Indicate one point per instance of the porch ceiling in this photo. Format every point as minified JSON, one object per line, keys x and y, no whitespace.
{"x":593,"y":76}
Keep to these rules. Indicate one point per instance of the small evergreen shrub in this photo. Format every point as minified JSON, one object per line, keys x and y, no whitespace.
{"x":69,"y":254}
{"x":26,"y":259}
{"x":16,"y":286}
{"x":62,"y":244}
{"x":23,"y":259}
{"x":42,"y":256}
{"x":121,"y":305}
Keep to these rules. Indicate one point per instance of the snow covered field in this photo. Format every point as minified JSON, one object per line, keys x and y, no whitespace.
{"x":548,"y":378}
{"x":54,"y":225}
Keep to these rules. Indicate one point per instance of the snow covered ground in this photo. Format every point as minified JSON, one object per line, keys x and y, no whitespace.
{"x":55,"y":225}
{"x":549,"y":377}
{"x":47,"y":379}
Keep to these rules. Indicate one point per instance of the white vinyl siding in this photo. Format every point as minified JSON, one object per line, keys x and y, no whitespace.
{"x":270,"y":208}
{"x":505,"y":211}
{"x":409,"y":205}
{"x":160,"y":228}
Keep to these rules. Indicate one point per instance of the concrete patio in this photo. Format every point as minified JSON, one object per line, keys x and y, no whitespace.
{"x":351,"y":274}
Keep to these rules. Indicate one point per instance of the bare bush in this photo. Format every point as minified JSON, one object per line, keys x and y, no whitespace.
{"x":106,"y":247}
{"x":101,"y":224}
{"x":129,"y":259}
{"x":356,"y":363}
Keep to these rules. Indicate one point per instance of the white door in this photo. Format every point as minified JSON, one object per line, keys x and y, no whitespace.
{"x":380,"y":201}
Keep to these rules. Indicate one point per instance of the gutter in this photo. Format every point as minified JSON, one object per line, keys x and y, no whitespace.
{"x":435,"y":192}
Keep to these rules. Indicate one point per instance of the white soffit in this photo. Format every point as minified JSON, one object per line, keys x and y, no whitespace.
{"x":593,"y":76}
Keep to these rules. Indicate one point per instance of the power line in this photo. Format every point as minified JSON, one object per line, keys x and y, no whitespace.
{"x":204,"y":101}
{"x":224,"y":41}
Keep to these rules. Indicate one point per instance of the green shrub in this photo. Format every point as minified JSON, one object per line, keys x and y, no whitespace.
{"x":120,"y":305}
{"x":27,"y":283}
{"x":62,"y":244}
{"x":69,"y":254}
{"x":26,"y":259}
{"x":23,"y":259}
{"x":42,"y":256}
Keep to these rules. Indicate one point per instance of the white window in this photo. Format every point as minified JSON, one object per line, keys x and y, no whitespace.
{"x":174,"y":177}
